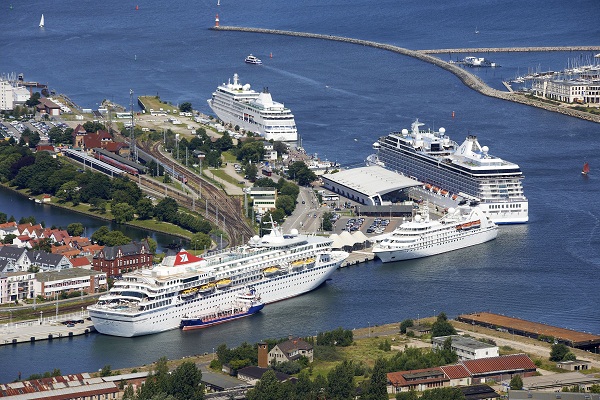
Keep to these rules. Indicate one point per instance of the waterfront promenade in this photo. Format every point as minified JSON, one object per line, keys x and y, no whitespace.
{"x":466,"y":77}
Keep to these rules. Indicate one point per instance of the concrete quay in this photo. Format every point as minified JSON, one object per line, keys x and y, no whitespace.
{"x":358,"y":257}
{"x":466,"y":77}
{"x":45,"y":329}
{"x":510,"y":49}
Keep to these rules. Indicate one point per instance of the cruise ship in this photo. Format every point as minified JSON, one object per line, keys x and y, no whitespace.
{"x":465,"y":172}
{"x":422,"y":237}
{"x":158,"y":299}
{"x":252,"y":111}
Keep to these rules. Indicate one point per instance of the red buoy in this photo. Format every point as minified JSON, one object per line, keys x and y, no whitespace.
{"x":137,"y":7}
{"x":217,"y":21}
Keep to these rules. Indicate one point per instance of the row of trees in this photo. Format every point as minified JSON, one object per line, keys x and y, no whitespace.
{"x":40,"y":173}
{"x":183,"y":383}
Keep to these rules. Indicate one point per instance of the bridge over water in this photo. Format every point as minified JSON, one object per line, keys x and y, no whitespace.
{"x":466,"y":77}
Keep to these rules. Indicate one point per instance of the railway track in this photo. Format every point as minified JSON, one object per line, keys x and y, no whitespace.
{"x":208,"y":200}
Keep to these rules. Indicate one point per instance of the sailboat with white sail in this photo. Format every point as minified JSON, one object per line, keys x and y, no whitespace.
{"x":42,"y":21}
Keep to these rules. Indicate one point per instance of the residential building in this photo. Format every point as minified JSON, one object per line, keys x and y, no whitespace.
{"x":479,"y":392}
{"x":264,"y":199}
{"x":12,"y":95}
{"x":291,"y":350}
{"x":417,"y":380}
{"x":48,"y":261}
{"x":48,"y":107}
{"x":466,"y":348}
{"x":20,"y":258}
{"x":8,"y":228}
{"x":16,"y":286}
{"x":50,"y":284}
{"x":117,"y":260}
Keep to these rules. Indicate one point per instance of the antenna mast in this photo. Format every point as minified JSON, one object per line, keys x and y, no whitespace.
{"x":132,"y":148}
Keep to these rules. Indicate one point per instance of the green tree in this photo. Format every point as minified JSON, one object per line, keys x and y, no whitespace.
{"x":34,"y":100}
{"x":377,"y":387}
{"x":99,"y":234}
{"x":128,"y":393}
{"x":268,"y":388}
{"x":340,"y":382}
{"x":75,"y":229}
{"x":116,"y":238}
{"x":200,"y":241}
{"x":123,"y":212}
{"x":407,"y":323}
{"x":327,"y":221}
{"x":3,"y":218}
{"x":8,"y":239}
{"x":106,"y":371}
{"x":286,"y":203}
{"x":251,"y":172}
{"x":441,"y":327}
{"x":410,"y":395}
{"x":185,"y":107}
{"x":595,"y":389}
{"x":304,"y":388}
{"x":185,"y":382}
{"x":516,"y":383}
{"x":166,"y":210}
{"x":145,"y":208}
{"x":558,"y":352}
{"x":280,"y":147}
{"x":448,"y":393}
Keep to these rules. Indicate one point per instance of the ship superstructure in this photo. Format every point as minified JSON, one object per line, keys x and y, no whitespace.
{"x":252,"y":111}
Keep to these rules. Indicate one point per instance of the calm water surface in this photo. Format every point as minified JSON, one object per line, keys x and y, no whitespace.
{"x":545,"y":271}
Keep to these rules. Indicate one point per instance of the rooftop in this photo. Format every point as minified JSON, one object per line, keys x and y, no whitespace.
{"x":371,"y":180}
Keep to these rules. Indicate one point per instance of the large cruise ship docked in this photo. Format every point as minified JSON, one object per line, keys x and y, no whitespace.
{"x":154,"y":300}
{"x":458,"y":172}
{"x":238,"y":104}
{"x":422,"y":237}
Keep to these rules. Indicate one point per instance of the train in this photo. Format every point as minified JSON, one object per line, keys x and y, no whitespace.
{"x":122,"y":166}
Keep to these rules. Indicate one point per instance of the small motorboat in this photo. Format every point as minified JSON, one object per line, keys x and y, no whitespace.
{"x":252,"y":60}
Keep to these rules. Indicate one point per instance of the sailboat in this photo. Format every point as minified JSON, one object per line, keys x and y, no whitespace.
{"x":42,"y":21}
{"x":586,"y":169}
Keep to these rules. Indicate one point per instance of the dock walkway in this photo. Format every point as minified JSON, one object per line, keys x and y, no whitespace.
{"x":45,"y":329}
{"x":470,"y":80}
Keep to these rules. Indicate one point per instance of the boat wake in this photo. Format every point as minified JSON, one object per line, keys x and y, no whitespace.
{"x":316,"y":83}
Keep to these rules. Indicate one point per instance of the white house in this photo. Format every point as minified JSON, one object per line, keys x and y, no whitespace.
{"x":16,"y":286}
{"x":264,"y":199}
{"x":49,"y":284}
{"x":465,"y":347}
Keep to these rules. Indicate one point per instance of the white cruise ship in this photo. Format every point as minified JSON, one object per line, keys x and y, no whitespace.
{"x":154,"y":300}
{"x":458,"y":172}
{"x":238,"y":104}
{"x":422,"y":237}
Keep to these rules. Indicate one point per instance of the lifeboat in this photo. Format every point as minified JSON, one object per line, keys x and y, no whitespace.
{"x":467,"y":226}
{"x":207,"y":288}
{"x":444,"y":192}
{"x":188,"y":293}
{"x":272,"y":271}
{"x":476,"y":224}
{"x":435,"y":189}
{"x":428,"y":186}
{"x":223,"y":283}
{"x":454,"y":197}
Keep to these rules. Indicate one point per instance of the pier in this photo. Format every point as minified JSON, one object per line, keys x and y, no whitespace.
{"x":47,"y":328}
{"x":466,"y":77}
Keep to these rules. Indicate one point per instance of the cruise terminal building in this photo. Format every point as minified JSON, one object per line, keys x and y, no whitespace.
{"x":370,"y":186}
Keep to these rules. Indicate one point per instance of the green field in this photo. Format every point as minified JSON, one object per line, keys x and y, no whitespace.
{"x":153,"y":102}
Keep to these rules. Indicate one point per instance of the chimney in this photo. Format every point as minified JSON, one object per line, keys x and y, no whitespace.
{"x":263,"y":355}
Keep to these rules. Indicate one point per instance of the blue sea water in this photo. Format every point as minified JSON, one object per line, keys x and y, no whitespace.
{"x":546,"y":271}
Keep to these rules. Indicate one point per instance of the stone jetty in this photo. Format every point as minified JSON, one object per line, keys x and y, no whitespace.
{"x":466,"y":77}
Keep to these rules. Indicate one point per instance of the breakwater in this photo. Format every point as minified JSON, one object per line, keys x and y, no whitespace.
{"x":466,"y":77}
{"x":511,"y":49}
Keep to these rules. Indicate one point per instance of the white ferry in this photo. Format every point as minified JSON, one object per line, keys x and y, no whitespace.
{"x":457,"y":172}
{"x":158,"y":299}
{"x":422,"y":237}
{"x":238,"y":104}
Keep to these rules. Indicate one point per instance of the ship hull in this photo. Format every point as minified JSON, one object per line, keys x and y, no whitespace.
{"x":189,"y":324}
{"x":169,"y":317}
{"x":455,"y":242}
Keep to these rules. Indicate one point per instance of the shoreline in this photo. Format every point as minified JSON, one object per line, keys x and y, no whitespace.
{"x":93,"y":215}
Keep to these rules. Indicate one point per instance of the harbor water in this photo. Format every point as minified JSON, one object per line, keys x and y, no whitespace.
{"x":344,"y":97}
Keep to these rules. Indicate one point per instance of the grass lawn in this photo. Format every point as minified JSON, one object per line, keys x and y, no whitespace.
{"x":226,"y":177}
{"x":161,"y":226}
{"x":152,"y":102}
{"x":228,"y":157}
